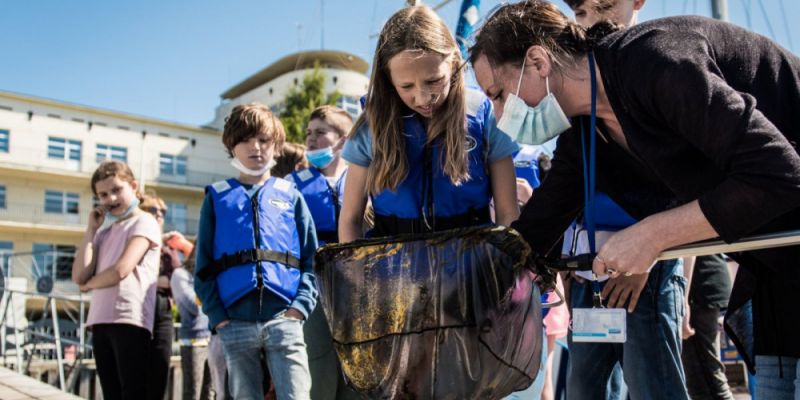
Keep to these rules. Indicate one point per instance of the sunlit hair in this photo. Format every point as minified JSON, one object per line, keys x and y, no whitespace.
{"x":514,"y":28}
{"x":292,"y":158}
{"x":340,"y":120}
{"x":150,"y":199}
{"x":113,"y":168}
{"x":415,"y":28}
{"x":250,"y":120}
{"x":598,"y":6}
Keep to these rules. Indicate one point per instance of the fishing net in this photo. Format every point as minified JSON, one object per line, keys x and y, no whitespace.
{"x":445,"y":315}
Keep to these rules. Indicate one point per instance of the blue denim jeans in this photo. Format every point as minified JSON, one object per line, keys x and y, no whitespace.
{"x":769,"y":383}
{"x":281,"y":342}
{"x":651,"y":356}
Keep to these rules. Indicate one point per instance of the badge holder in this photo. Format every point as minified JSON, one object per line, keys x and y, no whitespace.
{"x":597,"y":324}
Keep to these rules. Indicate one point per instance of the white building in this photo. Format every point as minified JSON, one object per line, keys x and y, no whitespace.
{"x":344,"y":72}
{"x":50,"y":148}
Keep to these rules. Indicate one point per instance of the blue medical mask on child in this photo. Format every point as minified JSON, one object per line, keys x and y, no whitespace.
{"x":110,"y":218}
{"x":320,"y":158}
{"x":235,"y":163}
{"x":532,"y":125}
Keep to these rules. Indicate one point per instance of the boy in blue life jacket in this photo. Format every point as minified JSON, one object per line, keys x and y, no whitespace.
{"x":322,"y":183}
{"x":254,"y":252}
{"x":322,"y":186}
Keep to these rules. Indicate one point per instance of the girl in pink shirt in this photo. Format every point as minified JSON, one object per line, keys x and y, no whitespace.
{"x":118,"y":262}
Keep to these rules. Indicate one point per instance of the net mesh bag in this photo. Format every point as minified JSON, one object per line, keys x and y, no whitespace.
{"x":446,"y":315}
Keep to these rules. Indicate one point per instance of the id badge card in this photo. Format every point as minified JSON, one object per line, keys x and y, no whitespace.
{"x":599,"y":325}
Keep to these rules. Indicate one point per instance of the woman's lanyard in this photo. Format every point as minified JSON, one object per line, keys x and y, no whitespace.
{"x":589,"y":174}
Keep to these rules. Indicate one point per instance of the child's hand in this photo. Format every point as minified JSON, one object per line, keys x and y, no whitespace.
{"x":294,"y":314}
{"x":85,"y":289}
{"x":524,"y":190}
{"x":96,"y":218}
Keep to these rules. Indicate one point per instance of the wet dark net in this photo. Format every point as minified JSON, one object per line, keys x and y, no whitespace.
{"x":448,"y":315}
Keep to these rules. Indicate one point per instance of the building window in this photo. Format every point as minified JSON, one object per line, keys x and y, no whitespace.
{"x":60,"y":202}
{"x":176,"y":217}
{"x":4,"y":140}
{"x":350,"y":104}
{"x":6,"y":250}
{"x":64,"y":149}
{"x":53,"y":260}
{"x":2,"y":196}
{"x":106,"y":152}
{"x":172,"y":165}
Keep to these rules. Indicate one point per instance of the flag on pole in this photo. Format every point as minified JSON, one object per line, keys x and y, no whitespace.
{"x":466,"y":22}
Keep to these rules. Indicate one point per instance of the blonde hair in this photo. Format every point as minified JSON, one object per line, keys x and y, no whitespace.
{"x":113,"y":168}
{"x":416,"y":28}
{"x":340,"y":120}
{"x":151,"y":199}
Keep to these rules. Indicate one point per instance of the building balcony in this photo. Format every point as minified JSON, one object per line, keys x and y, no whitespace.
{"x":31,"y":216}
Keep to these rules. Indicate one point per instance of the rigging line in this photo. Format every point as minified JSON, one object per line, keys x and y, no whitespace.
{"x":766,"y":18}
{"x":746,"y":5}
{"x":786,"y":25}
{"x":694,"y":7}
{"x":685,"y":6}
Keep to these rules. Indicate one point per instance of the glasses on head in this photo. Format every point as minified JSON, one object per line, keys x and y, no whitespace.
{"x":156,"y":210}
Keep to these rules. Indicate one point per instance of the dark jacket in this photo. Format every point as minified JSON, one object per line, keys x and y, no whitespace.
{"x":710,"y":112}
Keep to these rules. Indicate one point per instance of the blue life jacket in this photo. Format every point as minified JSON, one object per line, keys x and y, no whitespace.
{"x":247,"y":227}
{"x":609,"y":216}
{"x":528,"y":170}
{"x":323,"y":201}
{"x":427,"y":200}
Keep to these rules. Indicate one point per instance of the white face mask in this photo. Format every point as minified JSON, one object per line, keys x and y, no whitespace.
{"x":252,"y":172}
{"x":532,"y":125}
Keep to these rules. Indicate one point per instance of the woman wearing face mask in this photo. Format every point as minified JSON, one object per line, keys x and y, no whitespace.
{"x":322,"y":186}
{"x":696,"y":139}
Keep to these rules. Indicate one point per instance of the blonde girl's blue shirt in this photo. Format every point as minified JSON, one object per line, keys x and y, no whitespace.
{"x":248,"y":308}
{"x":358,"y":149}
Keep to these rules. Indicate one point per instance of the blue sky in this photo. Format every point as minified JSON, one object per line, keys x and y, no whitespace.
{"x":171,"y":59}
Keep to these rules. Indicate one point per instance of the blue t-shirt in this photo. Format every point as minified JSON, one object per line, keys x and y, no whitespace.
{"x":358,"y":149}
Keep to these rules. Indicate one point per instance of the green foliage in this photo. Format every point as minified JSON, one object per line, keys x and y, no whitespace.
{"x":301,"y":100}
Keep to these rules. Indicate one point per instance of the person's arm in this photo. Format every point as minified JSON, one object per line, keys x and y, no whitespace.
{"x":354,"y":203}
{"x":204,"y":258}
{"x":131,"y":257}
{"x":183,"y":292}
{"x":761,"y":168}
{"x":504,"y":191}
{"x":306,"y":298}
{"x":84,"y":263}
{"x":688,"y":272}
{"x":557,"y":202}
{"x":634,"y":249}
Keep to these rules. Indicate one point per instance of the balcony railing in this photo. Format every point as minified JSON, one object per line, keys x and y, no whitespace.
{"x":35,"y":214}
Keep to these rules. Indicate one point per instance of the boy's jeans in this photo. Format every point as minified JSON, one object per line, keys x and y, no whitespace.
{"x":777,"y":378}
{"x":651,"y":356}
{"x":281,"y":341}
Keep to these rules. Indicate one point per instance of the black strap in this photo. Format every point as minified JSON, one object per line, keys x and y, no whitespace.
{"x":390,"y":225}
{"x":328,"y":236}
{"x":247,"y":257}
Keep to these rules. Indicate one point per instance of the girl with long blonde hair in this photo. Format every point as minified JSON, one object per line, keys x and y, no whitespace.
{"x":425,"y":147}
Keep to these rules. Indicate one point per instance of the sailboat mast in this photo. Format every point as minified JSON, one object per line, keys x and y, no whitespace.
{"x":719,"y":9}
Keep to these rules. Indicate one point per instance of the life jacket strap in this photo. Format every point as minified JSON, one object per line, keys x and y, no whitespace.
{"x":247,"y":257}
{"x":328,"y":236}
{"x":389,"y":225}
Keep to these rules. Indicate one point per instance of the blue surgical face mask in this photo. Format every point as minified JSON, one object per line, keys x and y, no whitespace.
{"x":110,"y":218}
{"x":532,"y":125}
{"x":320,"y":158}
